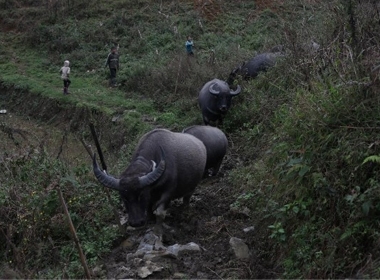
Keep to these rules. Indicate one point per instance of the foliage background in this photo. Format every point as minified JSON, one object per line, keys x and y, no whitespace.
{"x":305,"y":133}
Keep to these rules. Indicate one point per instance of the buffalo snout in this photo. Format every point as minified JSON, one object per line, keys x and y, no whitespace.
{"x":136,"y":223}
{"x":223,"y":108}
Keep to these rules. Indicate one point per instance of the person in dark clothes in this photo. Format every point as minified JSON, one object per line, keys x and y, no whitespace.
{"x":189,"y":46}
{"x":113,"y":64}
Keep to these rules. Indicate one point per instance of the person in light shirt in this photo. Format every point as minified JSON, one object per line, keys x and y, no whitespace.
{"x":65,"y":73}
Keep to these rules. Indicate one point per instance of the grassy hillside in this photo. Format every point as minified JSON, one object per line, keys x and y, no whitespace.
{"x":304,"y":135}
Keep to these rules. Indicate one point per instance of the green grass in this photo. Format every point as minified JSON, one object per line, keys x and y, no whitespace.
{"x":305,"y":132}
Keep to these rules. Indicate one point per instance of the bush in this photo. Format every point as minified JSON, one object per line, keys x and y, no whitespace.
{"x":321,"y":158}
{"x":303,"y":136}
{"x":38,"y":231}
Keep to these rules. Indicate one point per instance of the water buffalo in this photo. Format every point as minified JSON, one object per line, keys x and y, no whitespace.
{"x":215,"y":99}
{"x":216,"y":144}
{"x":251,"y":68}
{"x":165,"y":166}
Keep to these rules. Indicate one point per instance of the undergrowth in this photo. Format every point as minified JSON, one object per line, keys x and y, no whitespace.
{"x":305,"y":133}
{"x":35,"y":237}
{"x":315,"y":186}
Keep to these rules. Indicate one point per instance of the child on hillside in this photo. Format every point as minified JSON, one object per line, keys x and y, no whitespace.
{"x":65,"y":73}
{"x":189,"y":46}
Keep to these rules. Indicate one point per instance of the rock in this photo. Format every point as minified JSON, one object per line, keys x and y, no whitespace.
{"x":176,"y":249}
{"x":179,"y":275}
{"x":149,"y":242}
{"x":128,"y":243}
{"x":152,"y":256}
{"x":240,"y":248}
{"x":130,"y":256}
{"x":149,"y":238}
{"x":243,"y":211}
{"x":148,"y":269}
{"x":158,"y":255}
{"x":116,"y":118}
{"x":124,"y":273}
{"x":142,"y":250}
{"x":248,"y":229}
{"x":137,"y":261}
{"x":158,"y":245}
{"x":124,"y":221}
{"x":97,"y":271}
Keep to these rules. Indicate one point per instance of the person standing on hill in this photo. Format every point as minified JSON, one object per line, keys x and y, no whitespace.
{"x":189,"y":46}
{"x":65,"y":73}
{"x":113,"y":64}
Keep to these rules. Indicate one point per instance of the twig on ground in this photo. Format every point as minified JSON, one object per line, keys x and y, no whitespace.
{"x":72,"y":229}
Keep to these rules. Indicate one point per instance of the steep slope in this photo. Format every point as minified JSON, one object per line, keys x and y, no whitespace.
{"x":302,"y":166}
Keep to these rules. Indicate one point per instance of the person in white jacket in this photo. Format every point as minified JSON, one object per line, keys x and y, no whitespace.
{"x":65,"y":73}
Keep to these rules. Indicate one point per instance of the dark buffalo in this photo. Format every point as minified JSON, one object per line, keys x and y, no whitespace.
{"x":216,"y":144}
{"x":165,"y":166}
{"x":250,"y":69}
{"x":215,"y":99}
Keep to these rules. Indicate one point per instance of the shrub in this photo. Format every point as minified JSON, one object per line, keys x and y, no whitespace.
{"x":38,"y":230}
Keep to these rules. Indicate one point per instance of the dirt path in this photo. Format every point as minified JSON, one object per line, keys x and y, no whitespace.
{"x":210,"y":224}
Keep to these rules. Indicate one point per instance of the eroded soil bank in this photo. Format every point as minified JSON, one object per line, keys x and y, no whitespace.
{"x":209,"y":223}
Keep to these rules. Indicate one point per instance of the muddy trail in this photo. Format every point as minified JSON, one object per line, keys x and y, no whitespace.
{"x":207,"y":240}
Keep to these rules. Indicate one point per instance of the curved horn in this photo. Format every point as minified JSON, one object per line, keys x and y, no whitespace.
{"x":155,"y":174}
{"x":212,"y":90}
{"x":235,"y":92}
{"x":103,"y":178}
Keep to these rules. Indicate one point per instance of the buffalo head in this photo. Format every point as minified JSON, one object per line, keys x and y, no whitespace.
{"x":215,"y":99}
{"x":135,"y":188}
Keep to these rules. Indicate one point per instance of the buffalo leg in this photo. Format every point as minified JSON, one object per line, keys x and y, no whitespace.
{"x":186,"y":199}
{"x":215,"y":169}
{"x":159,"y":209}
{"x":205,"y":120}
{"x":160,"y":213}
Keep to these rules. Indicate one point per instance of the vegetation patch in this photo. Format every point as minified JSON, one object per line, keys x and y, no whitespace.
{"x":303,"y":160}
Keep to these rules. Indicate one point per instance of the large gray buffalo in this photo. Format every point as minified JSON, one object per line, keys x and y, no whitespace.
{"x":165,"y":166}
{"x":251,"y":68}
{"x":215,"y":99}
{"x":216,"y":144}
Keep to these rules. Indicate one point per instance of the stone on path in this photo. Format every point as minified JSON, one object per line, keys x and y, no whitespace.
{"x":240,"y":248}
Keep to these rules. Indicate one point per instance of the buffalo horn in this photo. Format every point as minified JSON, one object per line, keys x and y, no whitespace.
{"x":155,"y":174}
{"x":214,"y":91}
{"x":103,"y":178}
{"x":235,"y":92}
